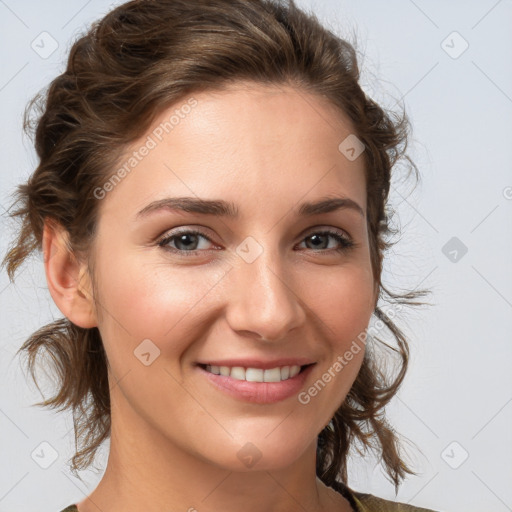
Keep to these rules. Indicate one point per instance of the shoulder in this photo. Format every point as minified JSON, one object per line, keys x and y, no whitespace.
{"x":71,"y":508}
{"x":370,"y":503}
{"x":362,"y":502}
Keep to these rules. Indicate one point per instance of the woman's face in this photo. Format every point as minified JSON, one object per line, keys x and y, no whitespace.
{"x":268,"y":285}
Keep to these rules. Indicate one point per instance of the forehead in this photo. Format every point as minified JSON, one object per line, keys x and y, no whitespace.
{"x":273,"y":142}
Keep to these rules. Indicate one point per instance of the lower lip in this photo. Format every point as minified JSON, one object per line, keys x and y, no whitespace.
{"x":259,"y":392}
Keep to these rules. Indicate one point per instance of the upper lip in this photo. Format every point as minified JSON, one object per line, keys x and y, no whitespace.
{"x":259,"y":363}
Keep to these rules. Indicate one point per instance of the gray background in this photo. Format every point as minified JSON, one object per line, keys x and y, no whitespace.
{"x":455,"y":406}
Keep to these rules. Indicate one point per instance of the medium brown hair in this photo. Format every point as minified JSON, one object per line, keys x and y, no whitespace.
{"x":141,"y":58}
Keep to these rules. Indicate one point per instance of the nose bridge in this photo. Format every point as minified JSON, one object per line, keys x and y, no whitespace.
{"x":263,"y":299}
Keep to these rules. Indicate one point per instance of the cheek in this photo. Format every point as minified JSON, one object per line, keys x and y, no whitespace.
{"x":160,"y":302}
{"x":343,"y":303}
{"x":344,"y":306}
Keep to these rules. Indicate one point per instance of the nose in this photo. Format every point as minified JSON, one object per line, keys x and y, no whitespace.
{"x":264,"y":299}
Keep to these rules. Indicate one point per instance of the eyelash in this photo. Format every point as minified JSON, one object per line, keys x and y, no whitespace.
{"x":346,"y":243}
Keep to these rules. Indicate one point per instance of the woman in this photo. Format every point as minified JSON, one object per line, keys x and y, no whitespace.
{"x":210,"y":201}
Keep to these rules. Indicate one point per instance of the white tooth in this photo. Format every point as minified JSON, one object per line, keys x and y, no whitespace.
{"x":237,"y":372}
{"x":224,"y":371}
{"x":272,"y":375}
{"x":254,"y":375}
{"x":294,"y":370}
{"x":285,"y":372}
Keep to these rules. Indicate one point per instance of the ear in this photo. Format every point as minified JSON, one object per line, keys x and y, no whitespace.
{"x":68,"y":280}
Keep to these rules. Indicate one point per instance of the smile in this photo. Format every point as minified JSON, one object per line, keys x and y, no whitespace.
{"x":277,"y":374}
{"x":237,"y":382}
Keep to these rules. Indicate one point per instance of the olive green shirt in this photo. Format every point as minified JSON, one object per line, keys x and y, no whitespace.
{"x":360,"y":502}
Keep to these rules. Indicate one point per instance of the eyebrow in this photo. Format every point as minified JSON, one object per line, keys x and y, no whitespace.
{"x":221,"y":208}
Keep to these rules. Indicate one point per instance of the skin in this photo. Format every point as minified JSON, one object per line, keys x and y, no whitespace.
{"x":175,"y":437}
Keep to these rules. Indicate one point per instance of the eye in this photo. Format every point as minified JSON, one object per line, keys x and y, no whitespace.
{"x":183,"y":239}
{"x":186,"y":241}
{"x":343,"y":241}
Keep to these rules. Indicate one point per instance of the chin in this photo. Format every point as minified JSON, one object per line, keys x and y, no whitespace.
{"x":276,"y":452}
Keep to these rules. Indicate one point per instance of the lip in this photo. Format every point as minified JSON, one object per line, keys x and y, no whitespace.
{"x":259,"y":363}
{"x":258,"y":392}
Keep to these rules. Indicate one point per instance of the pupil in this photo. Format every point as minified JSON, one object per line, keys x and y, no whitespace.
{"x":313,"y":237}
{"x":182,"y":240}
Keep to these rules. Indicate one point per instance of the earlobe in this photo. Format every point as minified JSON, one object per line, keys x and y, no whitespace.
{"x":67,"y":278}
